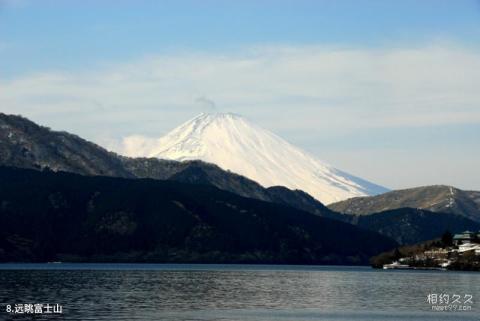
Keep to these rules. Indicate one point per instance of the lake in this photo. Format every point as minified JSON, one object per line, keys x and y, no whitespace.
{"x":235,"y":292}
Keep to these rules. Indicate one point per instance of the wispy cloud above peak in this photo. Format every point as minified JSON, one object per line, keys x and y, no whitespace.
{"x":297,"y":91}
{"x":390,"y":87}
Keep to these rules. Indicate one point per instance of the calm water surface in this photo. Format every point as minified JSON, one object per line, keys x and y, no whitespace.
{"x":232,"y":292}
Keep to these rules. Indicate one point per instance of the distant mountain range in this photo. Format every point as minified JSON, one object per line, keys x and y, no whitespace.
{"x":438,"y":198}
{"x":235,"y":143}
{"x":24,"y":144}
{"x":49,"y":216}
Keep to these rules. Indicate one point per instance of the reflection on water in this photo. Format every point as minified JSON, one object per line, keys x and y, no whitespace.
{"x":217,"y":292}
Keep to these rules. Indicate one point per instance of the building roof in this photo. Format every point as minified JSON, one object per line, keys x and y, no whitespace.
{"x":462,"y":236}
{"x":465,"y":235}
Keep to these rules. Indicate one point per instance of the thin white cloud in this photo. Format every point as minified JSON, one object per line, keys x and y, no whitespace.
{"x":309,"y":91}
{"x":317,"y":88}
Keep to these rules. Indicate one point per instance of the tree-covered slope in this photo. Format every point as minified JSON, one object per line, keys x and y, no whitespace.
{"x":47,"y":216}
{"x":410,"y":226}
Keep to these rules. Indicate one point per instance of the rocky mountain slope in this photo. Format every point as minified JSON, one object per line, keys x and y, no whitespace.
{"x":28,"y":145}
{"x":437,"y":198}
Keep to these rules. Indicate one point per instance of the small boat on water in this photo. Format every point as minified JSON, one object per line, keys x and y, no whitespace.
{"x":396,"y":265}
{"x":446,"y":264}
{"x":400,"y":266}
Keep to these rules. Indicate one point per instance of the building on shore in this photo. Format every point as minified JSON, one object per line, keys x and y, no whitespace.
{"x":466,"y":237}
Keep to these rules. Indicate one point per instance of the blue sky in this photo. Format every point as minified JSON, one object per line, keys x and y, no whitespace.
{"x":39,"y":35}
{"x":383,"y":89}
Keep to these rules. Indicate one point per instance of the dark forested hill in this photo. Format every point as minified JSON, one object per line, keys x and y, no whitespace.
{"x":410,"y":226}
{"x":47,"y":216}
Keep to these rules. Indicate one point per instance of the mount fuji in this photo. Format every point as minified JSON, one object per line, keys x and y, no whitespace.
{"x":238,"y":145}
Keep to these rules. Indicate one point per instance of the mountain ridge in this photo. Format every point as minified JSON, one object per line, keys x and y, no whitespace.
{"x":26,"y":144}
{"x":435,"y":198}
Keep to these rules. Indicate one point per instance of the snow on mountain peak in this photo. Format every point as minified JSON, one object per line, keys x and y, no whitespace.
{"x":236,"y":144}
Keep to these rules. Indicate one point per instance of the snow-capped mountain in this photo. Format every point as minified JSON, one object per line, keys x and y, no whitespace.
{"x":236,"y":144}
